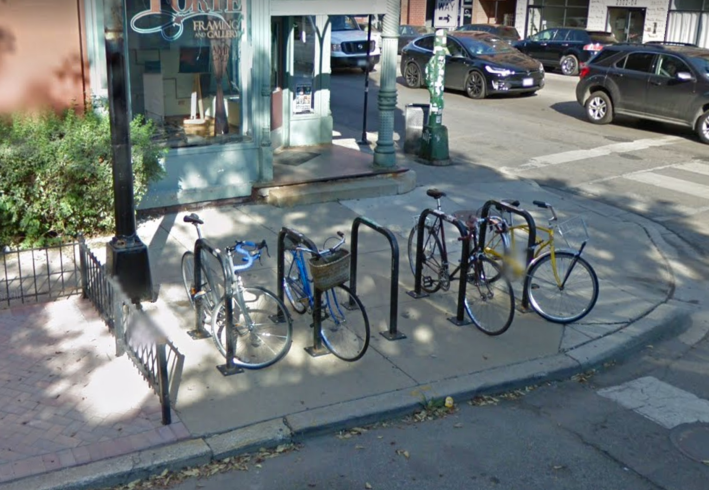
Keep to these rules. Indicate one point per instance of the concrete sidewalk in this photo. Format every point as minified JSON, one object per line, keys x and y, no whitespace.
{"x":60,"y":438}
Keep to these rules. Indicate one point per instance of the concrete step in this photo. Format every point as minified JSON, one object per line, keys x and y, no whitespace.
{"x":386,"y":184}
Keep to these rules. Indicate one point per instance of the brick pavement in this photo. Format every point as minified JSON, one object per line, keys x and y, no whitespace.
{"x":65,"y":399}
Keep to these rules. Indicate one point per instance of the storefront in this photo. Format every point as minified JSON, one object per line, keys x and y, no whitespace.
{"x":688,"y":22}
{"x":629,"y":20}
{"x":227,"y":82}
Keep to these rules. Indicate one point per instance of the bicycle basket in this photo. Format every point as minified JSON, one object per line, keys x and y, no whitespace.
{"x":331,"y":270}
{"x":574,"y":232}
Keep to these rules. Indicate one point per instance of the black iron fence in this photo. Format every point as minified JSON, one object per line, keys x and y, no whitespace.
{"x":136,"y":334}
{"x":36,"y":275}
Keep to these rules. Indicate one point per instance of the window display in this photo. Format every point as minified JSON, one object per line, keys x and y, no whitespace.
{"x":187,"y":68}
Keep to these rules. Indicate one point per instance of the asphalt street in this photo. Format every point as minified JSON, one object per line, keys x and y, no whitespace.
{"x":659,"y":171}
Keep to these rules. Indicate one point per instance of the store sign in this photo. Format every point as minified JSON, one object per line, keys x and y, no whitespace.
{"x":446,"y":13}
{"x":169,"y":20}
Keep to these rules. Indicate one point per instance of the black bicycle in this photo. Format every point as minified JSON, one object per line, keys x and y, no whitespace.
{"x":489,"y":298}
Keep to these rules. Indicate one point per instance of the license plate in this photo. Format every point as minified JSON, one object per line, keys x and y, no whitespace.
{"x":362,"y":62}
{"x":527,"y":82}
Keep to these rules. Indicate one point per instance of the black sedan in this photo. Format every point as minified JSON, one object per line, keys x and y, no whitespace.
{"x":408,"y":33}
{"x":477,"y":62}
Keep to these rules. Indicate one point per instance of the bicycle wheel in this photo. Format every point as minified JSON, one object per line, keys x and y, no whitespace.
{"x":293,"y":282}
{"x":489,"y":299}
{"x":207,"y":283}
{"x":432,"y":265}
{"x":263,"y":333}
{"x":498,"y":248}
{"x":564,"y":304}
{"x":344,"y":325}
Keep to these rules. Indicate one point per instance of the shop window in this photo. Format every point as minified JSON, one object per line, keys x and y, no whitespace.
{"x":187,"y":68}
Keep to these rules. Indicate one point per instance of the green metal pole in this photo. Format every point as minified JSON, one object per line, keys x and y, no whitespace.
{"x":434,"y":141}
{"x":385,"y":153}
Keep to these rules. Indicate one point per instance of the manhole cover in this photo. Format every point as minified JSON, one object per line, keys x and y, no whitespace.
{"x":692,"y":440}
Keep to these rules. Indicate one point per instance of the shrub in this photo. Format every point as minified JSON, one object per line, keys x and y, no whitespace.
{"x":56,"y":177}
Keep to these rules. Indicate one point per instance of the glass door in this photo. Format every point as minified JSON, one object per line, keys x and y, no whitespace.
{"x":626,"y":24}
{"x":534,"y":21}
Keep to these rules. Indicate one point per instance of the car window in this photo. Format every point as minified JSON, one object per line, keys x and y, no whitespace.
{"x":405,"y":31}
{"x":701,"y":62}
{"x":509,"y":32}
{"x":560,"y":35}
{"x":603,"y":55}
{"x":425,"y":43}
{"x":669,"y":66}
{"x":637,"y":62}
{"x":343,"y":23}
{"x":488,"y":45}
{"x":578,"y":36}
{"x":454,"y":49}
{"x":544,"y":35}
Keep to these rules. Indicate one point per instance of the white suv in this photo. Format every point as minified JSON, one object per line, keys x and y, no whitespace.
{"x":349,"y":44}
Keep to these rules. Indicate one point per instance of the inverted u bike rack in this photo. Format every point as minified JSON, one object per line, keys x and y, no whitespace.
{"x":199,"y":332}
{"x":392,"y":333}
{"x":317,"y":349}
{"x":531,"y":241}
{"x":459,"y":318}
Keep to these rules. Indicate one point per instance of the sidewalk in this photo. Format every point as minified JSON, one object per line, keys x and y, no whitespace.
{"x":68,"y":423}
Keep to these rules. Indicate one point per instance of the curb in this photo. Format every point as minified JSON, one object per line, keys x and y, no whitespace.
{"x":665,"y":320}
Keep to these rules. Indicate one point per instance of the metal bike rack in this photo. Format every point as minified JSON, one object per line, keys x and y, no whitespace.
{"x":317,"y":349}
{"x":199,"y":332}
{"x":459,"y":319}
{"x":531,"y":241}
{"x":392,"y":333}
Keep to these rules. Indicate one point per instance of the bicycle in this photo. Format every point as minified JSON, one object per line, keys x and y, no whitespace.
{"x":561,"y":285}
{"x":344,"y":332}
{"x":263,"y":328}
{"x":261,"y":320}
{"x":489,"y":298}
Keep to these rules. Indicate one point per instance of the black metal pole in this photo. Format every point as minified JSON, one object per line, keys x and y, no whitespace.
{"x":127,"y":256}
{"x":366,"y":82}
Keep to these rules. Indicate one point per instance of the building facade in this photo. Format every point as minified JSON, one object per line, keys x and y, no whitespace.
{"x":226,"y":81}
{"x":643,"y":21}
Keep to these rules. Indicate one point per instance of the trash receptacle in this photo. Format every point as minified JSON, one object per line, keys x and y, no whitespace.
{"x":416,"y":118}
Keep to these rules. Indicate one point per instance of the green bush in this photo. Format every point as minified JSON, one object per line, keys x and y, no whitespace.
{"x":56,"y":177}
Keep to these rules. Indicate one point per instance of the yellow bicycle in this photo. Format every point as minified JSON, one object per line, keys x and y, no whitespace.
{"x":559,"y":283}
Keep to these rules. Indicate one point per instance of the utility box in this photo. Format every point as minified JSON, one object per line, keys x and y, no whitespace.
{"x":416,"y":118}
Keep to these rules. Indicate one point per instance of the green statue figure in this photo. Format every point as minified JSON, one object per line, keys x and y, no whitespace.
{"x":434,"y":140}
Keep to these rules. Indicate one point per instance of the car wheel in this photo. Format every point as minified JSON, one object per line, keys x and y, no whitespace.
{"x":412,"y":75}
{"x":475,"y":85}
{"x":569,"y":65}
{"x":703,"y":128}
{"x":599,"y":108}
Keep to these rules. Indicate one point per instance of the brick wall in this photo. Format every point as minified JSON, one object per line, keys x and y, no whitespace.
{"x":413,"y":12}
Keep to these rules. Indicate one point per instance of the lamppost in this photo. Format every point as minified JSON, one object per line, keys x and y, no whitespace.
{"x":385,"y":153}
{"x":126,"y":255}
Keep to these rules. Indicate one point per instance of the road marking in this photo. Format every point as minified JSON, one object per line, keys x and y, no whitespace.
{"x":576,"y":155}
{"x":672,"y":184}
{"x":658,"y":401}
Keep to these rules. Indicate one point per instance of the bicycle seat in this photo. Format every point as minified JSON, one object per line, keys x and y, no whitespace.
{"x":435,"y":193}
{"x":193,"y":218}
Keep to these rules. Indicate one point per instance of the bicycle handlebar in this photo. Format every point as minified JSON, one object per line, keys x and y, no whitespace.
{"x":546,"y":205}
{"x":326,"y":251}
{"x":249,"y":256}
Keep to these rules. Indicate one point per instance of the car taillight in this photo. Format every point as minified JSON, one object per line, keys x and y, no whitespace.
{"x":593,"y":47}
{"x":584,"y":72}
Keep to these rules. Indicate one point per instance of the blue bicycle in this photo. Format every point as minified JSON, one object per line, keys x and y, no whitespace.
{"x":344,"y":322}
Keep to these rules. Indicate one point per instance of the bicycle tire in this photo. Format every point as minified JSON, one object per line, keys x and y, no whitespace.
{"x":207,"y":283}
{"x":432,"y":265}
{"x":498,"y":248}
{"x":567,"y":305}
{"x":293,"y":284}
{"x":344,"y":328}
{"x":489,"y":302}
{"x":266,"y":340}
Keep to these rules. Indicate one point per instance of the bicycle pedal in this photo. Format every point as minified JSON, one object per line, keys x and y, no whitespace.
{"x":427,"y":281}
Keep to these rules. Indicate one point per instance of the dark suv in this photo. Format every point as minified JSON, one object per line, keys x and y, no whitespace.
{"x":567,"y":48}
{"x":663,"y":83}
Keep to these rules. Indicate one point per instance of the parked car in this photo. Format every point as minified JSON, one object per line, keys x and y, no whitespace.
{"x":349,"y":44}
{"x":507,"y":33}
{"x":658,"y":82}
{"x":408,"y":33}
{"x":567,"y":48}
{"x":478,"y":63}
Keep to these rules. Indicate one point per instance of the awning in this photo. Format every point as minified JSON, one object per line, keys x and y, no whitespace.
{"x":328,"y":7}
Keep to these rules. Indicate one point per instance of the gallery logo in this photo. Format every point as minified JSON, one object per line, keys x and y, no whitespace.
{"x":169,"y":19}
